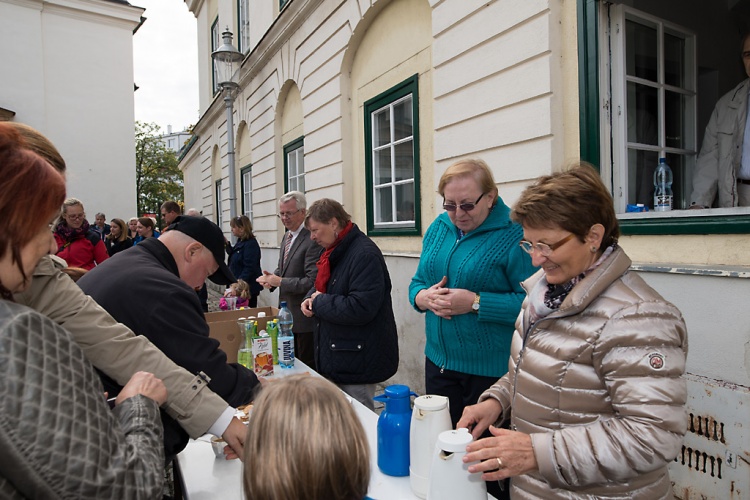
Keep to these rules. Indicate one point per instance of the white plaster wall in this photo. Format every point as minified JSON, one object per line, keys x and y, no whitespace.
{"x":72,"y":79}
{"x":486,"y":89}
{"x":718,"y":320}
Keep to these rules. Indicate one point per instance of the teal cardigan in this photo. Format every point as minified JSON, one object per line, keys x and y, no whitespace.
{"x":488,"y":261}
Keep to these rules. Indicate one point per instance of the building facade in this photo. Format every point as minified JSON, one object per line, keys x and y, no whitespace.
{"x":176,"y":141}
{"x":67,"y":70}
{"x":369,"y":101}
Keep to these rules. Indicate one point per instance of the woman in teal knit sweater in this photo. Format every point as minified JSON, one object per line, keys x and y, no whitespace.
{"x":468,"y":285}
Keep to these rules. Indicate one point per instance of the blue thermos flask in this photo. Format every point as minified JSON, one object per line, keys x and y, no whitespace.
{"x":393,"y":430}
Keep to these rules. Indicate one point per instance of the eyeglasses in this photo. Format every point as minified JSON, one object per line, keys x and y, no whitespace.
{"x":287,"y":215}
{"x":75,"y":216}
{"x":466,"y":207}
{"x":543,"y":248}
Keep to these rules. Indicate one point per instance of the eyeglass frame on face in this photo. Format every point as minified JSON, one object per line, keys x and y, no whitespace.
{"x":287,"y":215}
{"x":82,"y":215}
{"x":466,"y":207}
{"x":544,"y":249}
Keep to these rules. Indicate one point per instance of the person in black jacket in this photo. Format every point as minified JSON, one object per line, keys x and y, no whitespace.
{"x":244,"y":256}
{"x":117,"y":240}
{"x":161,"y":304}
{"x":356,"y":344}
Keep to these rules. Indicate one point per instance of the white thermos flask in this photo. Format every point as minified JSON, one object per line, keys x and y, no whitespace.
{"x":429,"y":418}
{"x":449,"y":475}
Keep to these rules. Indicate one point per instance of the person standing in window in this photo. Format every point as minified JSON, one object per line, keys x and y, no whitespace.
{"x":722,"y":171}
{"x":244,"y":257}
{"x":468,"y":284}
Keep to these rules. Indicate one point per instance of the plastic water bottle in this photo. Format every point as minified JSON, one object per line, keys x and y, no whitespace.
{"x":285,"y":339}
{"x":662,"y":187}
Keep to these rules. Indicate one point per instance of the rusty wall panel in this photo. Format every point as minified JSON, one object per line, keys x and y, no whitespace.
{"x":715,"y":458}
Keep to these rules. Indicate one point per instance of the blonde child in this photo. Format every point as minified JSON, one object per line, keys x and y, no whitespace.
{"x":241,"y":290}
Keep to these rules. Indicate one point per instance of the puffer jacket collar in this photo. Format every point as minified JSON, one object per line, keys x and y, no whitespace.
{"x":588,"y":289}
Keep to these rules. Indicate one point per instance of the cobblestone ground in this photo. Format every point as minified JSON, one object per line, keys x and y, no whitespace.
{"x":214,"y":294}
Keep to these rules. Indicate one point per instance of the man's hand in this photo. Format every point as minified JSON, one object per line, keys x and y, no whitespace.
{"x":235,"y":438}
{"x":269,"y":280}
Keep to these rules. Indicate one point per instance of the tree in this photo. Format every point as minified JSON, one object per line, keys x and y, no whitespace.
{"x":158,"y":178}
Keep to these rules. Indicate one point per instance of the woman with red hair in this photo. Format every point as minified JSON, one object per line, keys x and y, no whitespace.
{"x":47,"y":387}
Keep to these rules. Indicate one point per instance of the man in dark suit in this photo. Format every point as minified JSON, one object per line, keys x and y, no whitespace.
{"x":296,"y":272}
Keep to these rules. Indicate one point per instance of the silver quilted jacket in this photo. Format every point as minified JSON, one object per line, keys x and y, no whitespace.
{"x":58,"y":437}
{"x":598,"y":385}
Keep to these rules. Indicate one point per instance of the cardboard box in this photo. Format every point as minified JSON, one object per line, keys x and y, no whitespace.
{"x":223,"y":327}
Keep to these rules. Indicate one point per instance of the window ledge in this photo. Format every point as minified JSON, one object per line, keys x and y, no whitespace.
{"x":705,"y":221}
{"x":715,"y":271}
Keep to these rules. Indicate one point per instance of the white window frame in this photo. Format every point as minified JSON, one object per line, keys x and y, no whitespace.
{"x":393,"y":183}
{"x":247,"y":191}
{"x":243,"y":25}
{"x":294,"y":163}
{"x":614,"y":119}
{"x":215,"y":44}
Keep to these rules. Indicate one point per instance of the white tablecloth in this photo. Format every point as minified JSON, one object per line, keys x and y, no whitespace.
{"x":207,"y":478}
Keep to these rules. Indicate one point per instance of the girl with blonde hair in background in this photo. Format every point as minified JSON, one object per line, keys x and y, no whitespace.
{"x":78,"y":244}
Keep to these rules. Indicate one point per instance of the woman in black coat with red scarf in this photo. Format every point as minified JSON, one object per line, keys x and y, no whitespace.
{"x":356,"y":344}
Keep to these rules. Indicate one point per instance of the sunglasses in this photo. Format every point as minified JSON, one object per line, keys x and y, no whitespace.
{"x":466,"y":207}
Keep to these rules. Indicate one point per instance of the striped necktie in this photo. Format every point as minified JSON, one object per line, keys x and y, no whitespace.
{"x":287,"y":246}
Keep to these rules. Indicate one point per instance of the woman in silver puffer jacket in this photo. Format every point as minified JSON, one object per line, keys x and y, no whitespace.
{"x":594,"y":392}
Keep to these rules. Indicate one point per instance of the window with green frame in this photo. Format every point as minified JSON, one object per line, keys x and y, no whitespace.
{"x":215,"y":44}
{"x":392,"y":160}
{"x":656,"y":70}
{"x":294,"y":165}
{"x":217,"y":198}
{"x":243,"y":26}
{"x":246,"y":187}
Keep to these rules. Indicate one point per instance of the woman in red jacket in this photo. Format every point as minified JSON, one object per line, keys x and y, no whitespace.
{"x":78,"y":244}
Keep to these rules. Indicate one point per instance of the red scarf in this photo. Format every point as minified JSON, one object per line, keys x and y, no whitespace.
{"x":324,"y":266}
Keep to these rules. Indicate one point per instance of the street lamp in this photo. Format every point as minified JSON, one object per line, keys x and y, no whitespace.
{"x":225,"y":58}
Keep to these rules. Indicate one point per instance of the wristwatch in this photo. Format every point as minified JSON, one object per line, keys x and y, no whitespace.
{"x":475,"y":305}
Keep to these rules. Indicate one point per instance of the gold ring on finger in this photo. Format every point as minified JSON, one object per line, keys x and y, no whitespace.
{"x":499,"y":463}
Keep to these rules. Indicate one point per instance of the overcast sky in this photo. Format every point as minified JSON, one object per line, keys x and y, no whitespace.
{"x":165,"y":57}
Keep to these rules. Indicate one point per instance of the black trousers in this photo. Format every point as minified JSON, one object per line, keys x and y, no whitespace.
{"x":304,"y":349}
{"x":462,"y":389}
